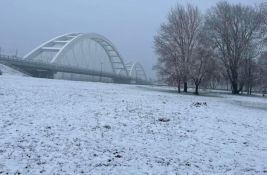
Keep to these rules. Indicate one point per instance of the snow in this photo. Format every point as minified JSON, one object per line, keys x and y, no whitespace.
{"x":68,"y":127}
{"x":6,"y":70}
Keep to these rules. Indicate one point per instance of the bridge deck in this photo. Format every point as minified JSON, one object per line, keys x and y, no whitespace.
{"x":54,"y":68}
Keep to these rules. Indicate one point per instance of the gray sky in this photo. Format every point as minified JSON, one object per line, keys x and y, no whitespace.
{"x":129,"y":24}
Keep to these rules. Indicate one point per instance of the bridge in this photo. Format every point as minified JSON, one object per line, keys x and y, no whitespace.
{"x":78,"y":56}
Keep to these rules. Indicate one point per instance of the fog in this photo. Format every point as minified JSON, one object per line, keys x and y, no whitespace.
{"x":129,"y":24}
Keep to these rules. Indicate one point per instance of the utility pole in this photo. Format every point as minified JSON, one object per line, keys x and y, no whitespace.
{"x":135,"y":74}
{"x":101,"y":72}
{"x":16,"y":52}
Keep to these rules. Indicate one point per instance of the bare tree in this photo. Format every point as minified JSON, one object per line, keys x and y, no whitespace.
{"x":233,"y":29}
{"x":177,"y":39}
{"x":168,"y":62}
{"x":262,"y":62}
{"x":202,"y":63}
{"x":262,"y":76}
{"x":216,"y":78}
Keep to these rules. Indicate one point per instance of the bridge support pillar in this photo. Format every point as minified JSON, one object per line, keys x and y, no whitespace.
{"x":121,"y":81}
{"x":42,"y":73}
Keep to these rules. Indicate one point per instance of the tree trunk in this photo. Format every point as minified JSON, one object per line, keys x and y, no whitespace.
{"x":179,"y":86}
{"x":196,"y":90}
{"x":185,"y":86}
{"x":235,"y":88}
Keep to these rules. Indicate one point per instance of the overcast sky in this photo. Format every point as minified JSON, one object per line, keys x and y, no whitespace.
{"x":129,"y":24}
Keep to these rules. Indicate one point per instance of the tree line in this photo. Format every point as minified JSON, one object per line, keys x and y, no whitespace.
{"x":226,"y":44}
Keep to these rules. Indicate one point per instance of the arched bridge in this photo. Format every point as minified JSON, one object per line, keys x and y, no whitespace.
{"x":78,"y":56}
{"x":136,"y":72}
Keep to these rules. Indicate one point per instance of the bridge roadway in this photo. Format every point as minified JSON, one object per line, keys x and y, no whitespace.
{"x":45,"y":70}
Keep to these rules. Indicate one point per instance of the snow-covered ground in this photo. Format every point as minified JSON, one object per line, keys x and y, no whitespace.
{"x":67,"y":127}
{"x":10,"y":71}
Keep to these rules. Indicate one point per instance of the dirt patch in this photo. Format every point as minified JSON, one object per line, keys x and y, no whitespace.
{"x":165,"y":120}
{"x":199,"y":104}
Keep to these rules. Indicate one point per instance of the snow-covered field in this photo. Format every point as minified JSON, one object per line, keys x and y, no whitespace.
{"x":10,"y":71}
{"x":67,"y":127}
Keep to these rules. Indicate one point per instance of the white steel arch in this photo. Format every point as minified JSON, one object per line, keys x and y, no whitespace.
{"x":59,"y":49}
{"x":136,"y":71}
